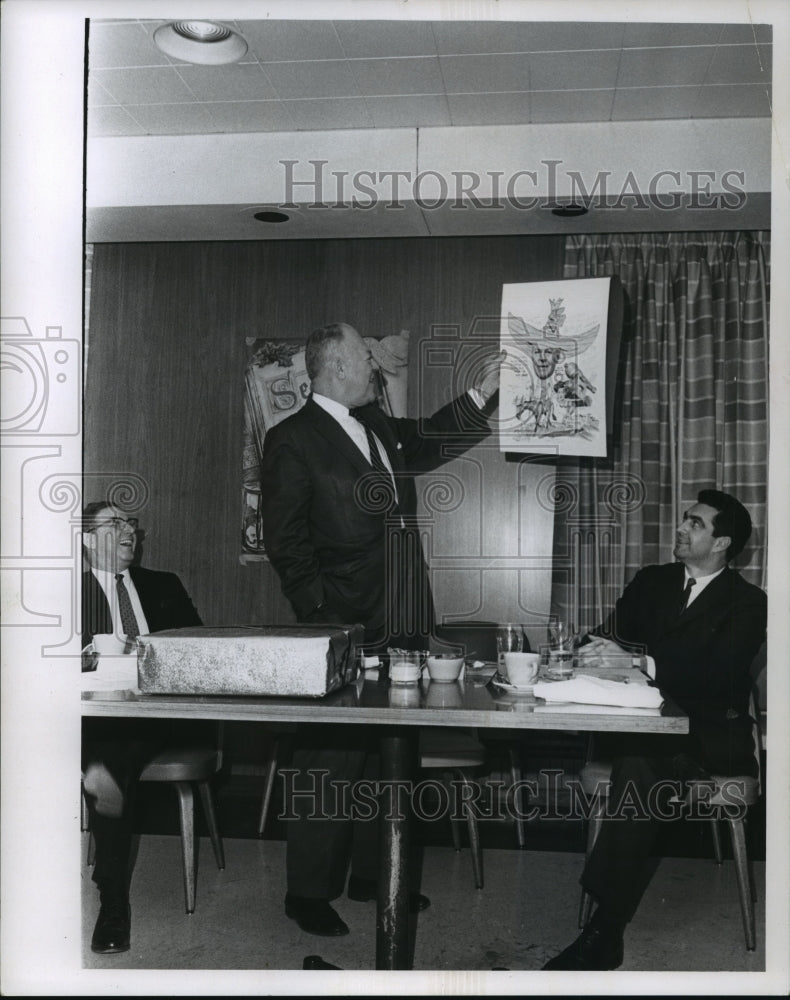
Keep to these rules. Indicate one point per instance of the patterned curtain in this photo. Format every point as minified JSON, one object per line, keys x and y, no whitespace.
{"x":691,"y":410}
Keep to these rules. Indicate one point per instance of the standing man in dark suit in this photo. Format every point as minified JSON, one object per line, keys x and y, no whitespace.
{"x":125,"y":601}
{"x":700,"y":625}
{"x":339,"y":526}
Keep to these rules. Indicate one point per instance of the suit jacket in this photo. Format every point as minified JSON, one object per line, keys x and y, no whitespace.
{"x":324,"y":536}
{"x":164,"y":600}
{"x":703,"y":656}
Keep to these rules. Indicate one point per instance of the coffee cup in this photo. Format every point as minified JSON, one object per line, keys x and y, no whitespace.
{"x":522,"y":668}
{"x":108,"y":644}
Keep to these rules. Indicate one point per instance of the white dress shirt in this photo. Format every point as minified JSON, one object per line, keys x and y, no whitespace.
{"x":107,"y":582}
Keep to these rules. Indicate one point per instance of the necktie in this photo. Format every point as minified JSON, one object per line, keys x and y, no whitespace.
{"x":128,"y":621}
{"x":684,"y":599}
{"x":376,"y":460}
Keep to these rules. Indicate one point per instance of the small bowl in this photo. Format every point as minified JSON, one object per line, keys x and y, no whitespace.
{"x":445,"y":668}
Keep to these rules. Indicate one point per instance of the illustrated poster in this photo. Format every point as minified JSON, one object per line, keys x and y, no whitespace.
{"x":553,"y":383}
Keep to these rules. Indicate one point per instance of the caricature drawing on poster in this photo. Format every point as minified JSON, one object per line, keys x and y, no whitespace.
{"x":553,"y":383}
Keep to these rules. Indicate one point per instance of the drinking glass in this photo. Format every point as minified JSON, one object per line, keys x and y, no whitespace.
{"x":509,"y":639}
{"x":562,"y":641}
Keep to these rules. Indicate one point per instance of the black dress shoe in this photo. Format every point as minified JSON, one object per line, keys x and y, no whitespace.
{"x":316,"y":962}
{"x":314,"y":916}
{"x":362,"y":890}
{"x":113,"y":927}
{"x":594,"y":950}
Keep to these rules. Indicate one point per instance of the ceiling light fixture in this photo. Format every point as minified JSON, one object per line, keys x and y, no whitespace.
{"x":569,"y":211}
{"x":270,"y":216}
{"x":204,"y":42}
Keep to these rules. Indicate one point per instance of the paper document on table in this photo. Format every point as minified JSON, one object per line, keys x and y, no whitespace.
{"x":599,"y":691}
{"x":114,"y":673}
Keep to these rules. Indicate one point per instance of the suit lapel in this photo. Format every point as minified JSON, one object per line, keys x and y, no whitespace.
{"x":710,"y":597}
{"x":331,"y":431}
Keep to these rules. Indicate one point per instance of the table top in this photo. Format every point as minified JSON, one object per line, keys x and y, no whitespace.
{"x":474,"y":701}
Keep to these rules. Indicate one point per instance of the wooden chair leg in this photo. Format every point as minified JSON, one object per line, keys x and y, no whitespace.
{"x":593,"y":829}
{"x":271,"y":773}
{"x":186,"y":811}
{"x":474,"y":837}
{"x":717,"y":852}
{"x":211,"y":822}
{"x":738,"y":836}
{"x":515,"y":777}
{"x":454,"y":823}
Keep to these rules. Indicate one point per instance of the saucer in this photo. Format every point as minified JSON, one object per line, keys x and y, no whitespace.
{"x":498,"y":681}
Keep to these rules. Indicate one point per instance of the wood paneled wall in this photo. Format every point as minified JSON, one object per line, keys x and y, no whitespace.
{"x":163,"y":399}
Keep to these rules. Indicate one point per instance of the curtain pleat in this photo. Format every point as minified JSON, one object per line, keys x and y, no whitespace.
{"x":692,"y":412}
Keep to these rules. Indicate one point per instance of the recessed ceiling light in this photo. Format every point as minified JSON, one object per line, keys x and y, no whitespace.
{"x":271,"y":217}
{"x":569,"y":211}
{"x":205,"y":42}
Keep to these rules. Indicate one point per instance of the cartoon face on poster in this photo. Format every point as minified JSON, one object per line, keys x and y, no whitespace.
{"x":552,"y":394}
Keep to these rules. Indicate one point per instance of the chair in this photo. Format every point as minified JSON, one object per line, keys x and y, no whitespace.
{"x":185,"y":767}
{"x":455,"y":752}
{"x":595,"y":779}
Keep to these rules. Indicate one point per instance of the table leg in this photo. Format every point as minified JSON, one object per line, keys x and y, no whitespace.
{"x":392,"y":916}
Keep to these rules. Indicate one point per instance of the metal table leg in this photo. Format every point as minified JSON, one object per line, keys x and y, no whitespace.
{"x":392,"y":916}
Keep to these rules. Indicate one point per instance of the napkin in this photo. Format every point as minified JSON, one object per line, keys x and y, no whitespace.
{"x":114,"y":673}
{"x":599,"y":691}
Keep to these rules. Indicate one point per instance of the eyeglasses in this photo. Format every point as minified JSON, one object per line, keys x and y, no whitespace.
{"x":119,"y":523}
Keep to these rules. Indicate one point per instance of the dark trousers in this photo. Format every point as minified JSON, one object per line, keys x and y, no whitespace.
{"x":124,"y":747}
{"x":647,"y":772}
{"x":323,"y":838}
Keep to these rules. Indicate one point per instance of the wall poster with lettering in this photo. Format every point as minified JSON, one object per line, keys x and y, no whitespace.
{"x":276,"y":384}
{"x":553,"y":383}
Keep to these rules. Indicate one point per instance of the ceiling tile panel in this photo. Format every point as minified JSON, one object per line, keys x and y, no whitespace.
{"x":745,"y":34}
{"x":740,"y":64}
{"x":251,"y":116}
{"x":523,"y":36}
{"x":318,"y":79}
{"x":234,"y":82}
{"x":398,"y":76}
{"x":349,"y":112}
{"x":97,"y":95}
{"x":550,"y":106}
{"x":173,"y":119}
{"x":664,"y":67}
{"x":488,"y":109}
{"x":667,"y":35}
{"x":124,"y":44}
{"x":272,"y":41}
{"x":653,"y":103}
{"x":485,"y":74}
{"x":372,"y":39}
{"x":751,"y":100}
{"x":397,"y":112}
{"x":575,"y":72}
{"x":157,"y":85}
{"x":112,"y":121}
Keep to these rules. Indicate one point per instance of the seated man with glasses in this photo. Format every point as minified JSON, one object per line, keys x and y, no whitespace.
{"x":122,"y":600}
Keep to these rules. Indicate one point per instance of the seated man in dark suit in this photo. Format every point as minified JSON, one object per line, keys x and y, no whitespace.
{"x":125,"y":601}
{"x":701,"y":625}
{"x":339,"y":524}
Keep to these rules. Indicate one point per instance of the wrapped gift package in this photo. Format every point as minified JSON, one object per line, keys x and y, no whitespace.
{"x":300,"y":661}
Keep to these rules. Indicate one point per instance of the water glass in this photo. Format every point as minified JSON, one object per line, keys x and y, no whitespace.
{"x":509,"y":639}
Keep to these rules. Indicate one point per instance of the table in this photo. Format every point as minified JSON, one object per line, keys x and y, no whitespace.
{"x":398,"y":711}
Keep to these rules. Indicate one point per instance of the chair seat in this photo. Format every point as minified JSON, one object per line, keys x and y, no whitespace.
{"x":450,"y":748}
{"x":183,"y":764}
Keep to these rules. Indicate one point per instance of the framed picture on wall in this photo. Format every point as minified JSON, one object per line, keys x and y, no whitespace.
{"x":553,"y":383}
